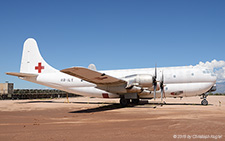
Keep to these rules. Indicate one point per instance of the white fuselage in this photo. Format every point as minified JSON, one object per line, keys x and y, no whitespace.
{"x":126,"y":84}
{"x":179,"y":81}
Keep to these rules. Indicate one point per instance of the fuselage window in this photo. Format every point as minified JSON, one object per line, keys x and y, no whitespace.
{"x":192,"y":74}
{"x":174,"y":76}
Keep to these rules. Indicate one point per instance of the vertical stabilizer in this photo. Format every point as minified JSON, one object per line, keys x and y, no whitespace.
{"x":32,"y":61}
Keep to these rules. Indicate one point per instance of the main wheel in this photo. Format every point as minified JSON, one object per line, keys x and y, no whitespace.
{"x":124,"y":102}
{"x":135,"y":101}
{"x":204,"y":102}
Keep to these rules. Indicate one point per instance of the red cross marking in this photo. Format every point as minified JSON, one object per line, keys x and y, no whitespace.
{"x":39,"y":67}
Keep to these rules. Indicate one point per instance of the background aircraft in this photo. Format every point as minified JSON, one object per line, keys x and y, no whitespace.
{"x":129,"y":85}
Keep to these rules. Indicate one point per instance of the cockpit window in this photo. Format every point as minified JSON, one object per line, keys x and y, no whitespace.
{"x":208,"y":71}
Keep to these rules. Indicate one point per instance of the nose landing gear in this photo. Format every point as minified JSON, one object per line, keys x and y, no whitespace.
{"x":204,"y":101}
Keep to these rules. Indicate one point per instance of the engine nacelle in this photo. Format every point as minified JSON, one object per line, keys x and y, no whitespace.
{"x":142,"y":80}
{"x":134,"y":89}
{"x":139,"y":90}
{"x":144,"y":92}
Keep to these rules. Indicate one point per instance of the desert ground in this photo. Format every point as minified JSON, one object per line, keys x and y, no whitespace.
{"x":104,"y":119}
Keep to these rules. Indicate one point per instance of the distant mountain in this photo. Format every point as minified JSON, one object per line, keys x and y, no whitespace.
{"x":220,"y":88}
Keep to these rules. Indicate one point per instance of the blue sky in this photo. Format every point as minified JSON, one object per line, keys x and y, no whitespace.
{"x":112,"y":34}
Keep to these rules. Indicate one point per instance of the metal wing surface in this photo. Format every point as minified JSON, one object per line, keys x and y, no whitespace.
{"x":92,"y":76}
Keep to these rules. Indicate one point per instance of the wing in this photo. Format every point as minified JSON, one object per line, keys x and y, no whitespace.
{"x":93,"y":76}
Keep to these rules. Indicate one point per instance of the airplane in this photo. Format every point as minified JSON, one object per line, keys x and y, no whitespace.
{"x":130,"y":85}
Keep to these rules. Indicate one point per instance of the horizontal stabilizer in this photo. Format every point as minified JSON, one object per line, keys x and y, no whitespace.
{"x":93,"y":76}
{"x":21,"y":74}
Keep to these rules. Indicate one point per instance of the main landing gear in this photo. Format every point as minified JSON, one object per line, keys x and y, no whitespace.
{"x":204,"y":101}
{"x":125,"y":102}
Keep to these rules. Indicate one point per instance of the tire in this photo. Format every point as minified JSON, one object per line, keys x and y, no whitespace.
{"x":124,"y":102}
{"x":135,"y":101}
{"x":204,"y":102}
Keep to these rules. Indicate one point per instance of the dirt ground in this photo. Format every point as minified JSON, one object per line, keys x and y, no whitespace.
{"x":104,"y":119}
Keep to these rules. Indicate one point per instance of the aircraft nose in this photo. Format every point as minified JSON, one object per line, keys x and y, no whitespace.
{"x":214,"y":77}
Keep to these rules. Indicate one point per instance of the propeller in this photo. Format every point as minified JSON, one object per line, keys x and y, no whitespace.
{"x":161,"y":84}
{"x":154,"y":81}
{"x":162,"y":87}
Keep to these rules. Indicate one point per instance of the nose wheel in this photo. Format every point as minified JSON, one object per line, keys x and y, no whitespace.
{"x":204,"y":101}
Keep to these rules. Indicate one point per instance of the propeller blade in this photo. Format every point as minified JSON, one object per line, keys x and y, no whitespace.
{"x":155,"y":82}
{"x":164,"y":96}
{"x":162,"y":86}
{"x":155,"y":91}
{"x":161,"y":94}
